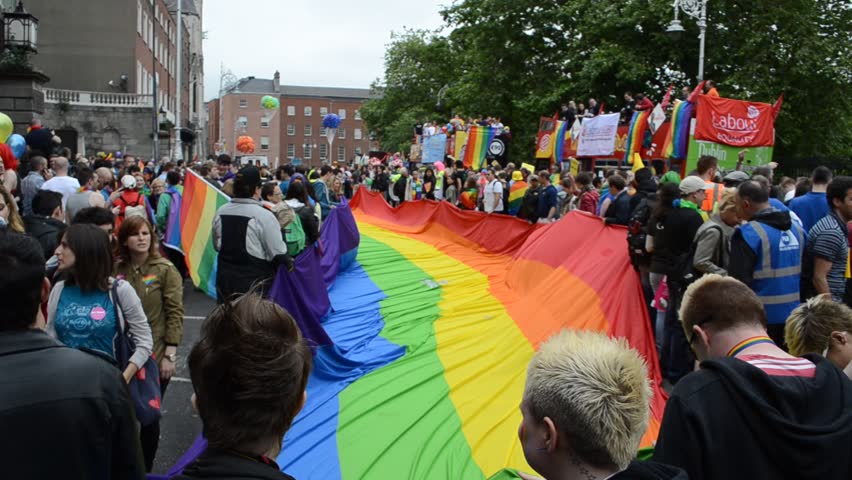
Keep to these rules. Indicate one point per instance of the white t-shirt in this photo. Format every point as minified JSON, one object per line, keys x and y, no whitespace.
{"x":67,"y":186}
{"x":493,"y":200}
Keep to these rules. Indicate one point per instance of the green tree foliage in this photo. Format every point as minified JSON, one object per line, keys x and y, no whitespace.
{"x":520,"y":59}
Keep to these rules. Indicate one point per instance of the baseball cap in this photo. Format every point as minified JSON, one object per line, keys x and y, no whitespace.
{"x":691,"y":185}
{"x":128,"y":182}
{"x":736,"y":176}
{"x":248,"y":175}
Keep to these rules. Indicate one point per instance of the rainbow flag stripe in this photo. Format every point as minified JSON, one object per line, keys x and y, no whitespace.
{"x":198,"y":208}
{"x":433,"y":326}
{"x":516,"y":196}
{"x":636,"y":134}
{"x":478,"y":140}
{"x":559,"y":138}
{"x":677,"y":140}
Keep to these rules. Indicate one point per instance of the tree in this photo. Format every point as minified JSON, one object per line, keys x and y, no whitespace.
{"x":520,"y":59}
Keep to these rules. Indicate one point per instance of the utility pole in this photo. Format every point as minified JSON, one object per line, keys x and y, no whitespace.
{"x":156,"y":114}
{"x":179,"y":108}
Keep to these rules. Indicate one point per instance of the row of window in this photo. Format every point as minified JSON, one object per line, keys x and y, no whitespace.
{"x":146,"y":29}
{"x":145,"y":86}
{"x":307,"y":151}
{"x":309,"y":111}
{"x":357,"y":134}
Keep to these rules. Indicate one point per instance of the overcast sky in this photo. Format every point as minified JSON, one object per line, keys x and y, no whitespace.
{"x":334,"y":43}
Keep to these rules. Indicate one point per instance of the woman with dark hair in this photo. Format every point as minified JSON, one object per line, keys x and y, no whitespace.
{"x":160,"y":288}
{"x":429,"y":182}
{"x":81,"y":310}
{"x":666,"y":196}
{"x":297,"y":199}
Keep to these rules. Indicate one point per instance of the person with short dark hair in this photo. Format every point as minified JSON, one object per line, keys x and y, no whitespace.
{"x":707,"y":168}
{"x":618,"y":212}
{"x":224,"y":165}
{"x":766,"y":255}
{"x":32,"y":183}
{"x":283,"y":175}
{"x":589,"y":195}
{"x":547,"y":199}
{"x":248,"y":239}
{"x":752,"y":410}
{"x":99,"y":217}
{"x":297,"y":199}
{"x":88,"y":195}
{"x":47,"y":222}
{"x":252,"y":356}
{"x":813,"y":206}
{"x":826,"y":256}
{"x":73,"y":403}
{"x":322,"y":187}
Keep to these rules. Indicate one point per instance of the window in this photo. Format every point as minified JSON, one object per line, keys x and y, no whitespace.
{"x":291,"y":129}
{"x":357,"y":134}
{"x":341,"y":132}
{"x":264,"y":122}
{"x":342,"y":113}
{"x":264,"y":143}
{"x":323,"y":131}
{"x":308,"y":111}
{"x":308,"y":131}
{"x":138,"y":17}
{"x":291,"y":151}
{"x":357,"y":150}
{"x":357,"y":114}
{"x":323,"y":151}
{"x":341,"y":153}
{"x":243,"y":121}
{"x":243,"y":103}
{"x":138,"y":77}
{"x":307,"y":149}
{"x":323,"y":111}
{"x":291,"y":110}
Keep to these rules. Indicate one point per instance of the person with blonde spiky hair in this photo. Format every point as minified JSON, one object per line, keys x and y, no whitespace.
{"x":585,"y":409}
{"x":752,"y":410}
{"x":824,"y":327}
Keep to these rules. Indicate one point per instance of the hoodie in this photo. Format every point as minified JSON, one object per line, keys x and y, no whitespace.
{"x":743,"y":259}
{"x":221,"y":465}
{"x":638,"y":470}
{"x":732,"y":420}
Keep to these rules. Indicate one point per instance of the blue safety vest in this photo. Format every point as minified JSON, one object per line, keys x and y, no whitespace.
{"x":778,"y":269}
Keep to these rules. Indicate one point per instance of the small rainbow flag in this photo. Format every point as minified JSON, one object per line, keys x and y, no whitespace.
{"x":636,"y":133}
{"x":149,"y":279}
{"x":678,"y":137}
{"x":516,"y":196}
{"x":559,"y":138}
{"x":198,"y":208}
{"x":478,"y":139}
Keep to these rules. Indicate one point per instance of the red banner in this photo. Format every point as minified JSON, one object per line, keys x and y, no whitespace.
{"x":546,"y":138}
{"x":735,"y":122}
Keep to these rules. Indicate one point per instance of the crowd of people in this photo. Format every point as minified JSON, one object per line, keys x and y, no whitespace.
{"x":747,"y":277}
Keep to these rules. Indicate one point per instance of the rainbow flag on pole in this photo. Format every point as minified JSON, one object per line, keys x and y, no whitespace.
{"x":200,"y":202}
{"x":559,"y":138}
{"x":636,"y":134}
{"x":678,"y":137}
{"x":478,"y":140}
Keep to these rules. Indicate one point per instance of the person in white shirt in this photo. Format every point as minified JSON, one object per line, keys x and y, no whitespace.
{"x":493,"y":200}
{"x":61,"y":183}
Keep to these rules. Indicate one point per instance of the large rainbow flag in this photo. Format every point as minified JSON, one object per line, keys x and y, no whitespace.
{"x":559,"y":138}
{"x":198,"y":208}
{"x":433,"y":323}
{"x":636,"y":134}
{"x":478,"y":140}
{"x":677,"y":139}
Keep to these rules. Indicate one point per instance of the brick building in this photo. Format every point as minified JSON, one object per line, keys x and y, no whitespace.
{"x":294,"y":132}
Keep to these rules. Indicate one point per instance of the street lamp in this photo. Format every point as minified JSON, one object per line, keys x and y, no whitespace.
{"x":696,"y":9}
{"x":20,"y":29}
{"x":309,"y":147}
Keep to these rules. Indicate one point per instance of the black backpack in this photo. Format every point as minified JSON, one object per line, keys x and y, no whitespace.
{"x":637,"y":232}
{"x":690,"y":274}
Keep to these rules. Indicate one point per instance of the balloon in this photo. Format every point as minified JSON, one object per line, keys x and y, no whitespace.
{"x":6,"y":127}
{"x":439,"y":165}
{"x":245,"y":144}
{"x":331,"y":121}
{"x":17,"y":144}
{"x":268,"y":102}
{"x":443,"y":129}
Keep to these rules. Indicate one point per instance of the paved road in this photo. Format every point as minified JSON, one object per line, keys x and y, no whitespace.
{"x":180,"y":424}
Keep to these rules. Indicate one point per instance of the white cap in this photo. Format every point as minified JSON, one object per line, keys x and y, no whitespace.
{"x":128,"y":182}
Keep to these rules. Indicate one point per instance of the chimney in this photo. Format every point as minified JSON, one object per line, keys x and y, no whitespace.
{"x":276,"y":82}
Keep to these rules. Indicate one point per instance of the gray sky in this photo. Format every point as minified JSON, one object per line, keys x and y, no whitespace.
{"x":334,"y":43}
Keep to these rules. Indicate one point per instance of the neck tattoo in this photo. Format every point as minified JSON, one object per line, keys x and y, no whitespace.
{"x":582,"y":468}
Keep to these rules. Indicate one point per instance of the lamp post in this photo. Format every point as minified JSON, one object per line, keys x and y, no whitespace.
{"x":309,"y":146}
{"x":20,"y":29}
{"x":696,"y":9}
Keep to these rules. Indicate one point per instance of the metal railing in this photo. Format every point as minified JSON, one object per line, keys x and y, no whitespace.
{"x":98,"y":99}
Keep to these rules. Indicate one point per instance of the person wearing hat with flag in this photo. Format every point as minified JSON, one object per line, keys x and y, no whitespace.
{"x":248,"y":239}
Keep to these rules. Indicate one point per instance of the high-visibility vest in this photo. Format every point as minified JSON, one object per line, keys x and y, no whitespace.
{"x":714,"y":196}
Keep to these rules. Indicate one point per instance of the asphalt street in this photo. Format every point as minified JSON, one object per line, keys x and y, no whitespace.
{"x":180,"y":424}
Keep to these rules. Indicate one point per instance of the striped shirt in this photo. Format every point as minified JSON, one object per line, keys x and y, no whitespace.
{"x":781,"y":367}
{"x":828,"y":239}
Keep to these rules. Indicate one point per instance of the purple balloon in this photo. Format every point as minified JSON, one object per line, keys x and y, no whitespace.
{"x":18,"y":145}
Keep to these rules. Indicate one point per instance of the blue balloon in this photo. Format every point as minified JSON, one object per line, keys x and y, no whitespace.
{"x":331,"y":121}
{"x":18,"y":145}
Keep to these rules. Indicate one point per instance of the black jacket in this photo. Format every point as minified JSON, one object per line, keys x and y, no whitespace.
{"x":732,"y":420}
{"x":63,"y":413}
{"x":743,"y":259}
{"x":46,"y":230}
{"x":618,"y":212}
{"x":220,"y":465}
{"x":638,"y":470}
{"x":647,"y":189}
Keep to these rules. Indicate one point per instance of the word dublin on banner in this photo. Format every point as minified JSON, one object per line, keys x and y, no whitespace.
{"x":598,"y":136}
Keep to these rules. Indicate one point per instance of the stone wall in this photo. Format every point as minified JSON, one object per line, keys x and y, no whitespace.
{"x":107,"y":129}
{"x":21,"y":98}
